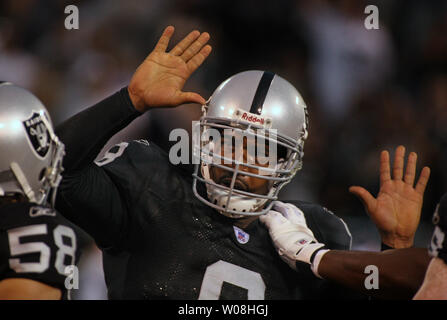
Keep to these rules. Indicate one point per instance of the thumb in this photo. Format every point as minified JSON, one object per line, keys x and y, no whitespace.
{"x":364,"y":196}
{"x":191,"y":97}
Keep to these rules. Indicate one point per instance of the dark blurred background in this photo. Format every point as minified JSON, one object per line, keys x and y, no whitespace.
{"x":366,"y":90}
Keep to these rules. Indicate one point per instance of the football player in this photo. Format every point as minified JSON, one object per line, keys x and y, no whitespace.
{"x":36,"y":243}
{"x":434,"y":286}
{"x":162,"y":239}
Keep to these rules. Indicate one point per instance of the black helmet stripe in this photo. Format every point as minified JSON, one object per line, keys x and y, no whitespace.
{"x":261,"y":92}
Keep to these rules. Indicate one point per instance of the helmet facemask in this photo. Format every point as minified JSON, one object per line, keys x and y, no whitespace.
{"x":228,"y":199}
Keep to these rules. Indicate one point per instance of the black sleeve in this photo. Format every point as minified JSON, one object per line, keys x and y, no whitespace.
{"x":88,"y":131}
{"x":91,"y":200}
{"x":87,"y":196}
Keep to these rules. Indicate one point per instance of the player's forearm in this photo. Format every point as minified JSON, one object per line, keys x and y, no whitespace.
{"x":400,"y":272}
{"x":27,"y":289}
{"x":88,"y":131}
{"x":435,"y":282}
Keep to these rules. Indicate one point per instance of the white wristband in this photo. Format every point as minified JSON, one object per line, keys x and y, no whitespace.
{"x":316,"y":262}
{"x":305,"y":254}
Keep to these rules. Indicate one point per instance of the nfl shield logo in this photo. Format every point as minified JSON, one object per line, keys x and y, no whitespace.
{"x":241,"y":235}
{"x":38,"y":134}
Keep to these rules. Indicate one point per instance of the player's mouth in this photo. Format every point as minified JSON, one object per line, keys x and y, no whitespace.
{"x":238,"y":184}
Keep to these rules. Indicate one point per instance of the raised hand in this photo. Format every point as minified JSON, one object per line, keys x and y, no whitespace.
{"x":397,"y":209}
{"x":159,"y":80}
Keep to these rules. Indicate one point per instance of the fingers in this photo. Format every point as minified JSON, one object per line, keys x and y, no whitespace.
{"x":264,"y":219}
{"x":385,"y":174}
{"x":272,"y":219}
{"x":365,"y":197}
{"x":192,"y":49}
{"x":295,"y":215}
{"x":290,"y":212}
{"x":410,"y":173}
{"x":398,"y":167}
{"x":191,"y":97}
{"x":198,"y":59}
{"x":423,"y":179}
{"x":163,"y":42}
{"x":195,"y":47}
{"x":185,"y":43}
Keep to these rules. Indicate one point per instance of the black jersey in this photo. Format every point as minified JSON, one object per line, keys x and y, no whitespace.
{"x":160,"y":242}
{"x":36,"y":243}
{"x":438,"y":245}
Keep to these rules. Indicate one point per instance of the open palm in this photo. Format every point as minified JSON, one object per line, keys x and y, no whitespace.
{"x":397,"y":209}
{"x":159,"y":80}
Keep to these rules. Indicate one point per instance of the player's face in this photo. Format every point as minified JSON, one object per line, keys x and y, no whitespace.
{"x":243,"y":182}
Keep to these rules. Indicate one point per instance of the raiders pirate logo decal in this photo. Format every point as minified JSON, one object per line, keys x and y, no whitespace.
{"x":38,"y":134}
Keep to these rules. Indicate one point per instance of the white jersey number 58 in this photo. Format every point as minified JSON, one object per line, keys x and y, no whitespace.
{"x":18,"y":248}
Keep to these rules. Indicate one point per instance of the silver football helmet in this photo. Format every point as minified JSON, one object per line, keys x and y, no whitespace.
{"x":30,"y":153}
{"x":265,"y":107}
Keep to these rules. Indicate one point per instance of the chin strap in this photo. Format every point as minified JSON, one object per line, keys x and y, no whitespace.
{"x":20,"y":176}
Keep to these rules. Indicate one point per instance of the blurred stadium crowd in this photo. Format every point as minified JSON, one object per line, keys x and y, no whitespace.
{"x":366,"y":90}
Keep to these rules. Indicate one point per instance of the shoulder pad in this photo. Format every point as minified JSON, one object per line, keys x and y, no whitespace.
{"x":140,"y":168}
{"x":130,"y":152}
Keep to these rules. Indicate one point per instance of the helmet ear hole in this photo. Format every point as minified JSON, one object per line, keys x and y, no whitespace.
{"x":282,"y":153}
{"x":42,"y":174}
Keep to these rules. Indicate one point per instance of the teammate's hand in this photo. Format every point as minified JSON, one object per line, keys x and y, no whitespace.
{"x":159,"y":80}
{"x":293,"y":240}
{"x":397,"y":209}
